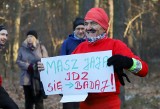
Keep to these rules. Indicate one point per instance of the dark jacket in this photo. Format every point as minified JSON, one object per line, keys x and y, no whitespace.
{"x":70,"y":44}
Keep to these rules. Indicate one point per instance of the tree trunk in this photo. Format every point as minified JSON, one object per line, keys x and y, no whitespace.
{"x":96,"y":3}
{"x":85,"y":5}
{"x":111,"y":16}
{"x":120,"y":10}
{"x":16,"y":30}
{"x":77,"y":7}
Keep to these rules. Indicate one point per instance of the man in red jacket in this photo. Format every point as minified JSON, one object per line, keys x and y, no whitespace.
{"x":96,"y":26}
{"x":5,"y":101}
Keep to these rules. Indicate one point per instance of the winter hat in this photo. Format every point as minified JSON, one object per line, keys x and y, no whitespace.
{"x":32,"y":32}
{"x":2,"y":27}
{"x":78,"y":21}
{"x":98,"y":15}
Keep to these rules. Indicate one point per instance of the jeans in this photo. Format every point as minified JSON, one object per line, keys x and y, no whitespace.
{"x":5,"y":101}
{"x":30,"y":100}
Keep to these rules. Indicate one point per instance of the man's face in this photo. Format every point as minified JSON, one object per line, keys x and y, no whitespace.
{"x":93,"y":29}
{"x":3,"y":37}
{"x":79,"y":31}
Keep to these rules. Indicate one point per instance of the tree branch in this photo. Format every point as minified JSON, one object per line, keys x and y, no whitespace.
{"x":132,"y":20}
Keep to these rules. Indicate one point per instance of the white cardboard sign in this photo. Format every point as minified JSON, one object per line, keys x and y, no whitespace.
{"x":78,"y":74}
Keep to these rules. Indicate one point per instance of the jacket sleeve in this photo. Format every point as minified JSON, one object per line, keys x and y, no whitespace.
{"x":63,"y":50}
{"x":22,"y":64}
{"x":0,"y":80}
{"x":122,"y":49}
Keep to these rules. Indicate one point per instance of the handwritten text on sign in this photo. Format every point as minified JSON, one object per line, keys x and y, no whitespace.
{"x":78,"y":73}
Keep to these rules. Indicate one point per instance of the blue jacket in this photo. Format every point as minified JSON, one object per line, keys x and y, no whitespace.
{"x":70,"y":44}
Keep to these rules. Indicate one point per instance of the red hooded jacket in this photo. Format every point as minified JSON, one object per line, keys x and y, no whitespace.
{"x":0,"y":80}
{"x":107,"y":100}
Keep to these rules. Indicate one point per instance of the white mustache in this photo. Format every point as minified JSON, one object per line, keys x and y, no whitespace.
{"x":91,"y":31}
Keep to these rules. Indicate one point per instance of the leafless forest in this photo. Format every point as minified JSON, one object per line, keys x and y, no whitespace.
{"x":136,"y":22}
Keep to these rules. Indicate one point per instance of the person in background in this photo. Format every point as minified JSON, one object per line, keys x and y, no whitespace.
{"x":96,"y":25}
{"x":29,"y":53}
{"x":72,"y":41}
{"x":5,"y":101}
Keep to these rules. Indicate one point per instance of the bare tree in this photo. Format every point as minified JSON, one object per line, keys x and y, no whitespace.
{"x":111,"y":16}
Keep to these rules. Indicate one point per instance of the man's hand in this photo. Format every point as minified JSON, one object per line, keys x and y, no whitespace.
{"x":40,"y":66}
{"x":120,"y":75}
{"x":120,"y":62}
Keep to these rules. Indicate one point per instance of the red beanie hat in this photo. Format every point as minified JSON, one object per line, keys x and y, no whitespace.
{"x":98,"y":15}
